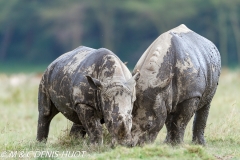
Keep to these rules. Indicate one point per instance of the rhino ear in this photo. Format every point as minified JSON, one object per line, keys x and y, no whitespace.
{"x":157,"y":83}
{"x":132,"y":82}
{"x":136,"y":76}
{"x":94,"y":83}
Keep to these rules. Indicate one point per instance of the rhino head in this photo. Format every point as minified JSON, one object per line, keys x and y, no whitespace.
{"x":150,"y":109}
{"x":117,"y":98}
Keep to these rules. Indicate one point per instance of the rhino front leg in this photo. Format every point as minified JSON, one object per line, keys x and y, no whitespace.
{"x":77,"y":130}
{"x":177,"y":122}
{"x":47,"y":111}
{"x":199,"y":124}
{"x":91,"y":123}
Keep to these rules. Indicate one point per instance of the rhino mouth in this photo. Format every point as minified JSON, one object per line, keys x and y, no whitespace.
{"x":127,"y":142}
{"x":124,"y":138}
{"x":139,"y":137}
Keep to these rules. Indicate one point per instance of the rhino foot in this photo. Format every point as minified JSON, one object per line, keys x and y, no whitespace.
{"x":199,"y":140}
{"x":77,"y":131}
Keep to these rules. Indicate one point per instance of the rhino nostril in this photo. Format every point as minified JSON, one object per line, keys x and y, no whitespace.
{"x":120,"y":118}
{"x":133,"y":128}
{"x":148,"y":126}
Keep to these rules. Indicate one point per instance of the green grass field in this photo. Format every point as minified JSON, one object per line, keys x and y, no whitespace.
{"x":19,"y":113}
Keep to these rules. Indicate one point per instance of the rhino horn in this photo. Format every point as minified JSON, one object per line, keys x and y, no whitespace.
{"x":157,"y":83}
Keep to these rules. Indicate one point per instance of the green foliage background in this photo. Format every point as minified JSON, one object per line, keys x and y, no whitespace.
{"x":36,"y":32}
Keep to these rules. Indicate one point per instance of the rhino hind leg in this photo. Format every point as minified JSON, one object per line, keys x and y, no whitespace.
{"x":199,"y":124}
{"x":176,"y":122}
{"x":168,"y":124}
{"x":91,"y":123}
{"x":78,"y":130}
{"x":47,"y":111}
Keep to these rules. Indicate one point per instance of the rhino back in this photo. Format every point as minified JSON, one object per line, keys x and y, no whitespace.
{"x":197,"y":66}
{"x":193,"y":61}
{"x":65,"y":80}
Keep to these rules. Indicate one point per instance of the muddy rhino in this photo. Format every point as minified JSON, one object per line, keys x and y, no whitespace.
{"x":179,"y":74}
{"x":89,"y":87}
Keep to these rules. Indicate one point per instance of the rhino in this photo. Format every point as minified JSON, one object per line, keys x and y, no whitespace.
{"x":179,"y":74}
{"x":89,"y":87}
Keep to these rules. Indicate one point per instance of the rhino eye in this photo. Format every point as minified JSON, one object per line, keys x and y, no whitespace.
{"x":110,"y":124}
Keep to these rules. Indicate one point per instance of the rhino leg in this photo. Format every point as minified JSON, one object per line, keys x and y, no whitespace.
{"x":199,"y":124}
{"x":47,"y":111}
{"x":176,"y":122}
{"x":168,"y":124}
{"x":77,"y":130}
{"x":91,"y":123}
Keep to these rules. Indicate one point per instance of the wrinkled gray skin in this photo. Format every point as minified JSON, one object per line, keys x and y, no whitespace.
{"x":179,"y":74}
{"x":89,"y":87}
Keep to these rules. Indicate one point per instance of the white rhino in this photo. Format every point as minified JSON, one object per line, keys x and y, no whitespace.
{"x":89,"y":87}
{"x":179,"y":74}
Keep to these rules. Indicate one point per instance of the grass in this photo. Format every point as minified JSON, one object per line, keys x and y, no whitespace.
{"x":18,"y":112}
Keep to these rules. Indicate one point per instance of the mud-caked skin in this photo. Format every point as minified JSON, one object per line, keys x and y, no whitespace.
{"x":89,"y":87}
{"x":179,"y":74}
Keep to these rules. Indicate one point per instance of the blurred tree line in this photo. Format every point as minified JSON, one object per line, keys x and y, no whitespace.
{"x":39,"y":31}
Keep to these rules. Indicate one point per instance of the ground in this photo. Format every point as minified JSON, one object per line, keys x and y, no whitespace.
{"x":19,"y":114}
